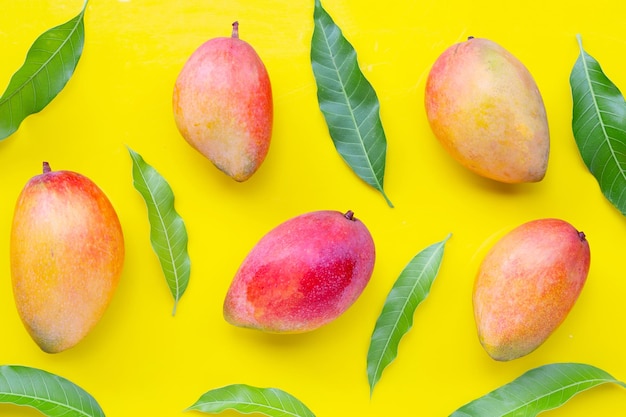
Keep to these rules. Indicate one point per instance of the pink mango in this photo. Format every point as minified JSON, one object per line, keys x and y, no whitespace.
{"x":223,"y":106}
{"x":527,"y":284}
{"x":302,"y":274}
{"x":67,"y":255}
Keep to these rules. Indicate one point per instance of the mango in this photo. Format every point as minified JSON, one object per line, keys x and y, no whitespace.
{"x":66,"y":256}
{"x":302,"y":274}
{"x":222,"y":104}
{"x":527,"y":284}
{"x":485,"y":109}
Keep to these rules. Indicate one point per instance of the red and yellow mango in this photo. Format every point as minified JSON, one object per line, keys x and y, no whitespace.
{"x":223,"y":106}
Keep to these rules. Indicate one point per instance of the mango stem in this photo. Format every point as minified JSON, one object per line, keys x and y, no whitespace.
{"x":235,"y":33}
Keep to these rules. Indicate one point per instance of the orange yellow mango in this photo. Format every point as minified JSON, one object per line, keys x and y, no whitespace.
{"x":527,"y":284}
{"x":67,"y":255}
{"x":485,"y":108}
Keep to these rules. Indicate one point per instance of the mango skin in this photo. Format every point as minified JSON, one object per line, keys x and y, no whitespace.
{"x":527,"y":284}
{"x":223,"y":106}
{"x":485,"y":108}
{"x":302,"y":274}
{"x":67,"y":255}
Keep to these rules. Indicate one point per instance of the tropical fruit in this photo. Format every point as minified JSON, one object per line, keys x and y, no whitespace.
{"x":67,"y":255}
{"x":527,"y":284}
{"x":223,"y":106}
{"x":485,"y":108}
{"x":302,"y":274}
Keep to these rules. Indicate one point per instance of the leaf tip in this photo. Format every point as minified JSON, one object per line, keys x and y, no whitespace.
{"x":373,"y":381}
{"x":130,"y":151}
{"x":579,"y":39}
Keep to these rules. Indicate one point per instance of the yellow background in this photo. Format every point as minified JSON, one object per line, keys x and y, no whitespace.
{"x":140,"y":360}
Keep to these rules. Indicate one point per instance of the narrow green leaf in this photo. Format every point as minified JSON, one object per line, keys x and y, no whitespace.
{"x":51,"y":394}
{"x":599,"y":126}
{"x":247,"y":399}
{"x":396,"y":319}
{"x":539,"y":389}
{"x":348,"y":102}
{"x":50,"y":63}
{"x":168,"y":234}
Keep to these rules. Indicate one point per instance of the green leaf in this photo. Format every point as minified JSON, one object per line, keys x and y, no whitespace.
{"x":50,"y":63}
{"x":168,"y":234}
{"x":599,"y":126}
{"x":348,"y":102}
{"x":396,"y":319}
{"x":247,"y":399}
{"x":52,"y":395}
{"x":539,"y":389}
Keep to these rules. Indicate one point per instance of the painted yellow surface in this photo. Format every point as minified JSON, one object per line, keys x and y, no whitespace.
{"x":141,"y":360}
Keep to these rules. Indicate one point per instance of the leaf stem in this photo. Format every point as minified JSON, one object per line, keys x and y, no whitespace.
{"x":387,"y":199}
